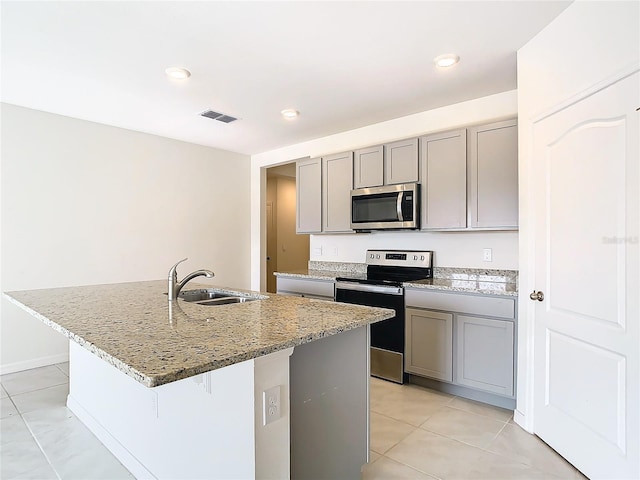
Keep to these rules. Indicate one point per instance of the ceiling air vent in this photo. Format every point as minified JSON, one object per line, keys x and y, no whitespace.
{"x":221,"y":117}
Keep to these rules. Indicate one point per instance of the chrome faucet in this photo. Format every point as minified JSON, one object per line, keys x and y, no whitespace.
{"x":175,"y":286}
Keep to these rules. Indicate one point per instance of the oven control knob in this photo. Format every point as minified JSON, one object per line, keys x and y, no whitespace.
{"x":378,"y":256}
{"x":415,"y":257}
{"x":371,"y":255}
{"x":421,"y":257}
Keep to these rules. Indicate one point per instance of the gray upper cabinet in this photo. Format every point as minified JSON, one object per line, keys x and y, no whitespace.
{"x":387,"y":164}
{"x":309,"y":196}
{"x":401,"y":162}
{"x":493,"y":175}
{"x":444,"y":180}
{"x":368,"y":167}
{"x":337,"y":182}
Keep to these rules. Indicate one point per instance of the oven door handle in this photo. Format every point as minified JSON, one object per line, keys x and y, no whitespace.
{"x":369,"y":288}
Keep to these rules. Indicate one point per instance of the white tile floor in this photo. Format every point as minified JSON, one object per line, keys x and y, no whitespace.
{"x":41,"y":439}
{"x":419,"y":433}
{"x":416,"y":433}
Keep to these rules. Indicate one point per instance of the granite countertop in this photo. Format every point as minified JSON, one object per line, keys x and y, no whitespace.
{"x":133,"y":327}
{"x":466,"y":286}
{"x":464,"y":280}
{"x":320,"y":274}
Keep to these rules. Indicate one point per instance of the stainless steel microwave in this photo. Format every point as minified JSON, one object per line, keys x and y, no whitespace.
{"x":386,"y":208}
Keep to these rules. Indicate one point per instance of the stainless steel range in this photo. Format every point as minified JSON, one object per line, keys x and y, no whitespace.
{"x":387,"y":270}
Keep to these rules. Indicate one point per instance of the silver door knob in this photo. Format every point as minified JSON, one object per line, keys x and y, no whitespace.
{"x":537,"y":296}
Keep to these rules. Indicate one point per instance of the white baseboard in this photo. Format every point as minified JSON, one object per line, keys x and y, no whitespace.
{"x":33,"y":363}
{"x":125,"y":457}
{"x":523,"y":421}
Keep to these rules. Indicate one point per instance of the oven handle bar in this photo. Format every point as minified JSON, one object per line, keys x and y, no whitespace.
{"x":361,"y":287}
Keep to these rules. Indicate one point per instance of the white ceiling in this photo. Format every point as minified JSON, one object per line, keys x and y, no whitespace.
{"x":343,"y":65}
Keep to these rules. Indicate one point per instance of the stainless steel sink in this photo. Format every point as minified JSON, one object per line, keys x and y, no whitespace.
{"x":201,"y":294}
{"x":211,"y":296}
{"x":226,"y":301}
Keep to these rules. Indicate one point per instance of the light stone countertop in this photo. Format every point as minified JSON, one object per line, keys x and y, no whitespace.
{"x":485,"y":282}
{"x":133,"y":326}
{"x":318,"y":274}
{"x":466,"y":286}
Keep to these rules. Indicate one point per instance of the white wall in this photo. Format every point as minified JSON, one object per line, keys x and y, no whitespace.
{"x":293,"y":249}
{"x":84,"y":203}
{"x":452,"y":249}
{"x":586,"y":44}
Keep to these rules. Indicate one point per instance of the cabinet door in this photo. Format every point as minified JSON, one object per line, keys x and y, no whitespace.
{"x":337,"y":182}
{"x":444,"y":180}
{"x":309,"y":196}
{"x":493,"y":175}
{"x":484,"y":354}
{"x":429,"y":344}
{"x":368,"y":167}
{"x":401,"y":162}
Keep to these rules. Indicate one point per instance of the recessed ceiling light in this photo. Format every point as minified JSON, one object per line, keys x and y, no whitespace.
{"x":178,"y":73}
{"x":446,"y":60}
{"x":290,"y":114}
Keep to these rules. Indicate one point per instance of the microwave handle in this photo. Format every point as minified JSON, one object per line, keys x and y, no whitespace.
{"x":399,"y":206}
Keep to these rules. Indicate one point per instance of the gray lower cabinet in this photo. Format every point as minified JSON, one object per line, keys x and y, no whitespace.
{"x":337,"y":182}
{"x":429,"y":344}
{"x":493,"y":175}
{"x":309,"y":196}
{"x":484,"y":354}
{"x":305,"y":287}
{"x":466,"y":340}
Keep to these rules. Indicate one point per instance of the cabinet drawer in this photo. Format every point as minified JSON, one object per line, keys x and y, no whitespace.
{"x":317,"y":288}
{"x":461,"y":303}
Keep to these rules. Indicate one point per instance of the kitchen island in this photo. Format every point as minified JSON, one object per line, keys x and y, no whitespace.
{"x":269,"y":388}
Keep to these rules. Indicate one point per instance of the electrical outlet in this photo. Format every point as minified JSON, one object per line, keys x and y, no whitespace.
{"x":317,"y":251}
{"x":487,"y":255}
{"x":271,"y":405}
{"x":334,"y":251}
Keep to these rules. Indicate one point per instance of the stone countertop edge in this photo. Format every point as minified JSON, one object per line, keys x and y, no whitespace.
{"x":145,"y":346}
{"x":311,"y":274}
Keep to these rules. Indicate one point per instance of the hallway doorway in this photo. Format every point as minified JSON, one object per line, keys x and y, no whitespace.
{"x":286,"y":250}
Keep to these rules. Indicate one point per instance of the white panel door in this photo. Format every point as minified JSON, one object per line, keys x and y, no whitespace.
{"x":586,"y":401}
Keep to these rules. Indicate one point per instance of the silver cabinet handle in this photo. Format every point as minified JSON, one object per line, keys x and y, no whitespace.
{"x":537,"y":296}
